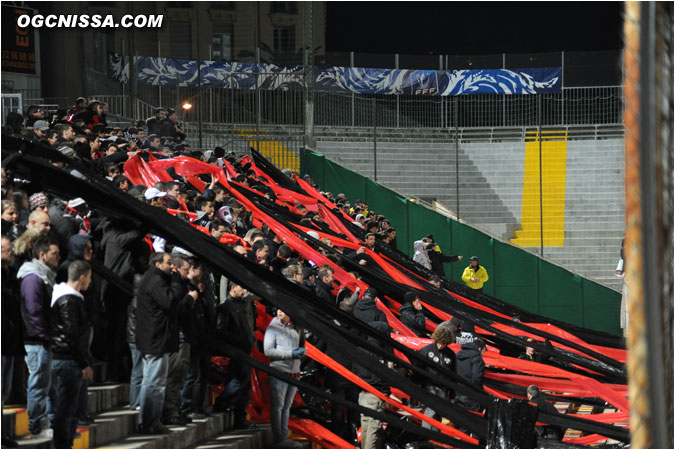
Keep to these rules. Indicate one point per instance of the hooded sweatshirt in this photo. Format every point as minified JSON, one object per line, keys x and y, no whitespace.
{"x":421,"y":257}
{"x":37,"y":282}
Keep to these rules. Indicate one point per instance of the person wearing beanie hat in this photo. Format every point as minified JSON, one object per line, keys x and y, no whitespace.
{"x":475,"y":275}
{"x":412,"y":315}
{"x":39,"y":201}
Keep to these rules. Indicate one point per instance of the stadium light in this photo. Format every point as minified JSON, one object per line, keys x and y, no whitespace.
{"x":187,"y":106}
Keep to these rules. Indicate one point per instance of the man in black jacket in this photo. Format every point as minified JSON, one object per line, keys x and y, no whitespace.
{"x":366,"y":308}
{"x":412,"y":315}
{"x":439,"y":352}
{"x":155,"y":337}
{"x":471,"y":367}
{"x":324,"y":284}
{"x":437,"y":258}
{"x":72,"y":361}
{"x":235,"y":325}
{"x":548,"y":431}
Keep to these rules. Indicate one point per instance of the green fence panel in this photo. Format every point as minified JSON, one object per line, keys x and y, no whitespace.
{"x":560,"y":294}
{"x":423,"y":221}
{"x":602,"y":308}
{"x":467,"y":242}
{"x":340,"y":179}
{"x":516,"y":279}
{"x":313,"y":164}
{"x":388,"y":203}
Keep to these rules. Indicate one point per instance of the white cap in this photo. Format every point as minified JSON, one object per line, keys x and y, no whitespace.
{"x":314,"y":234}
{"x":74,"y":203}
{"x":153,"y":193}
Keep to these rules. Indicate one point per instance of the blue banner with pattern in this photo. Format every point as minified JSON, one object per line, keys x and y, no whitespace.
{"x":182,"y":72}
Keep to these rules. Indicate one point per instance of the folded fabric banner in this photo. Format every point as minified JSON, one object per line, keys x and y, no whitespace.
{"x":183,"y":72}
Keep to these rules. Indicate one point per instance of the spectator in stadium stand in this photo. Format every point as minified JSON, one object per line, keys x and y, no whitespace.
{"x":421,"y":255}
{"x":471,"y":367}
{"x":412,"y":315}
{"x":284,"y":345}
{"x":92,"y":115}
{"x":37,"y":281}
{"x":324,"y":284}
{"x":217,"y":229}
{"x":235,"y":325}
{"x":80,"y":104}
{"x":39,"y":221}
{"x":111,"y":170}
{"x":279,"y":262}
{"x":136,"y":378}
{"x":371,"y":428}
{"x":391,"y":232}
{"x":12,"y":328}
{"x":122,"y":182}
{"x":366,"y":309}
{"x":181,"y":339}
{"x":157,"y":301}
{"x":194,"y":391}
{"x":465,"y":333}
{"x":10,"y":220}
{"x":435,"y":280}
{"x":205,"y":212}
{"x":52,"y":137}
{"x":475,"y":276}
{"x":66,"y":132}
{"x":552,"y":432}
{"x":13,"y":123}
{"x":40,"y":128}
{"x":33,"y":114}
{"x":440,"y":353}
{"x":169,"y":127}
{"x":436,"y":258}
{"x":72,"y":360}
{"x":529,"y":353}
{"x":172,"y":193}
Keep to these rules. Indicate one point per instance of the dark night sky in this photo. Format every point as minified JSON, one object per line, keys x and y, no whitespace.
{"x":461,"y":28}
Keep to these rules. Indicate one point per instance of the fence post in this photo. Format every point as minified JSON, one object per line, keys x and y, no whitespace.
{"x":398,"y":107}
{"x":375,"y":139}
{"x":232,"y":107}
{"x":503,"y":96}
{"x":199,"y":83}
{"x":257,"y":99}
{"x":440,"y":68}
{"x":562,"y":89}
{"x":541,"y":193}
{"x":457,"y":155}
{"x":351,"y":64}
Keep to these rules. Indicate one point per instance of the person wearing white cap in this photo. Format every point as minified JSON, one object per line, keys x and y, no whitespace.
{"x":154,"y":197}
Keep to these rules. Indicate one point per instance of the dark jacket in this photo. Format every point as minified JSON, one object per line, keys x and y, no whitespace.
{"x":131,"y":312}
{"x":167,"y":127}
{"x":323,"y":291}
{"x":471,"y":367}
{"x":365,"y":374}
{"x":437,"y":259}
{"x":37,"y":282}
{"x":235,"y":323}
{"x":71,"y":326}
{"x":367,"y":311}
{"x":12,"y":324}
{"x":444,"y":358}
{"x":157,"y":302}
{"x":413,"y":319}
{"x":548,"y":431}
{"x":183,"y":321}
{"x":124,"y":254}
{"x":12,"y":230}
{"x":153,"y":126}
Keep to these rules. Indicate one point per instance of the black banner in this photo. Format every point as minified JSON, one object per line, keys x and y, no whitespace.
{"x":18,"y":44}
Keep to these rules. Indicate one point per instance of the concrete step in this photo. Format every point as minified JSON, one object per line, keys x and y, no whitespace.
{"x":259,"y":437}
{"x":178,"y":437}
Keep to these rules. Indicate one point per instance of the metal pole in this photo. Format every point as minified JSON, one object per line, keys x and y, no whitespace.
{"x":309,"y":72}
{"x":199,"y":82}
{"x":457,"y":155}
{"x":541,"y":193}
{"x":257,"y":99}
{"x":398,"y":108}
{"x":562,"y":90}
{"x":351,"y":64}
{"x":375,"y":139}
{"x":159,"y":55}
{"x":503,"y":96}
{"x":440,"y":68}
{"x":232,"y":106}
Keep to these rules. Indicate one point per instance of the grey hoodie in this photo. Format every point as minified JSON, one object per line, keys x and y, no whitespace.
{"x":280,"y":340}
{"x":35,"y":267}
{"x":421,"y":257}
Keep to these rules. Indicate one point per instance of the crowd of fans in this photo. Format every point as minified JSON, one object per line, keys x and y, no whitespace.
{"x":76,"y":282}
